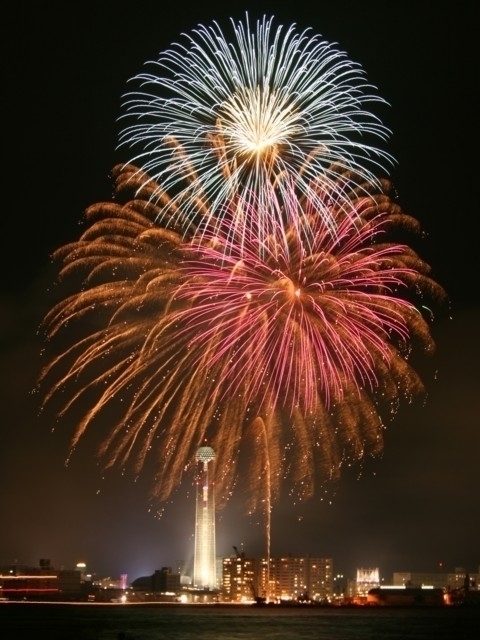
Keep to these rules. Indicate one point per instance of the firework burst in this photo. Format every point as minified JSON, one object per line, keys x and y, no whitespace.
{"x":214,"y":120}
{"x":299,"y":346}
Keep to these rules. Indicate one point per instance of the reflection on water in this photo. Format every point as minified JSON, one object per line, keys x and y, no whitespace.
{"x":234,"y":622}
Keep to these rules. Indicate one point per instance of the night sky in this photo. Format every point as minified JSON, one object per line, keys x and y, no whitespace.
{"x":417,"y":506}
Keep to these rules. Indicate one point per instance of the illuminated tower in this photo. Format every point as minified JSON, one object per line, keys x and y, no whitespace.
{"x":204,"y":569}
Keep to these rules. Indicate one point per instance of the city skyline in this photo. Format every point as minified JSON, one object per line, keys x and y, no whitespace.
{"x":428,"y":465}
{"x":257,"y":565}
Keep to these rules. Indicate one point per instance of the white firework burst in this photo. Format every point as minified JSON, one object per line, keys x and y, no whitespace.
{"x":213,"y":119}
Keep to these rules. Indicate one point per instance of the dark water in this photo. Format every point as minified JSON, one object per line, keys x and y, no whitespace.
{"x":210,"y":622}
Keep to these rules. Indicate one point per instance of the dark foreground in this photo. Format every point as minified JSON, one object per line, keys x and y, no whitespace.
{"x":233,"y":622}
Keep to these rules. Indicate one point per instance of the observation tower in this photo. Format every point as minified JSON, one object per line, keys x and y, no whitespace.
{"x":204,"y":568}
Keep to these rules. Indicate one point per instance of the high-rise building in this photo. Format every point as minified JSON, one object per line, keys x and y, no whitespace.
{"x":298,"y":578}
{"x":277,"y":579}
{"x":239,"y":578}
{"x":204,"y":569}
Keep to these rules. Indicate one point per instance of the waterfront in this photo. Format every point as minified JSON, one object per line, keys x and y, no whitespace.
{"x":234,"y":622}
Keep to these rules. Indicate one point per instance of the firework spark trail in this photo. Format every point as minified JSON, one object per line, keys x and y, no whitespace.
{"x":312,"y":342}
{"x":246,"y":287}
{"x":214,"y":119}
